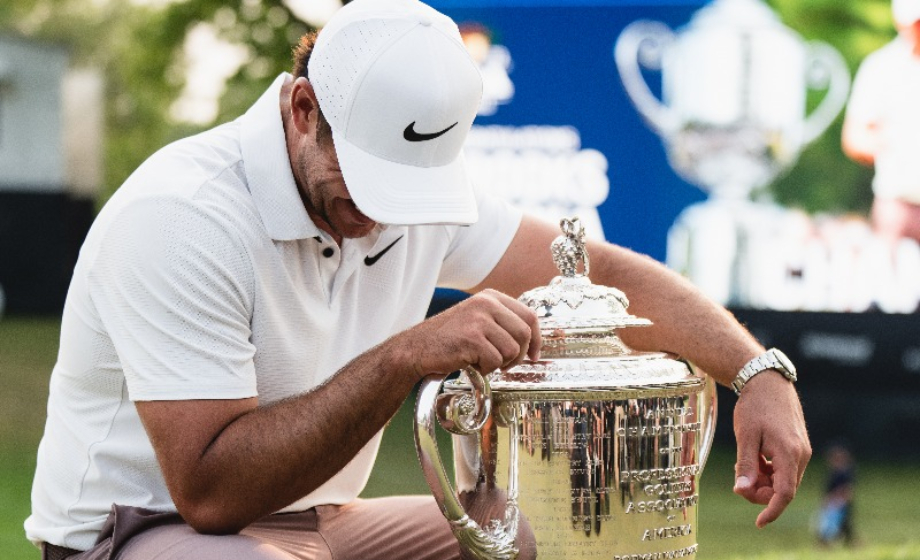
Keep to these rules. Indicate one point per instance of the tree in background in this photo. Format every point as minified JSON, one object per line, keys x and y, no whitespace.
{"x":140,"y":48}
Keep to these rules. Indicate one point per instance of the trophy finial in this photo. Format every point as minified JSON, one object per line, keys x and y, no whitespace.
{"x":569,"y":248}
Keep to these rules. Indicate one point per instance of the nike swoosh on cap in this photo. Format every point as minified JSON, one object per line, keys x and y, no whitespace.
{"x":369,"y":260}
{"x":412,"y":136}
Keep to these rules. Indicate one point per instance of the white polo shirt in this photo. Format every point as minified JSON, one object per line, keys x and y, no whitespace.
{"x":886,"y":92}
{"x":204,"y":278}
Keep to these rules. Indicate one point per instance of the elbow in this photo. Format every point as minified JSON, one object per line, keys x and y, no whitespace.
{"x":210,"y":518}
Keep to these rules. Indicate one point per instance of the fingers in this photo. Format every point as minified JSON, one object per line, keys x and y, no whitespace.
{"x":804,"y":457}
{"x":490,"y":359}
{"x":769,"y":425}
{"x":524,"y":326}
{"x":490,"y":330}
{"x":748,"y":476}
{"x":787,"y":469}
{"x":504,"y":347}
{"x":757,"y":486}
{"x":784,"y":484}
{"x":517,"y":322}
{"x":771,"y":483}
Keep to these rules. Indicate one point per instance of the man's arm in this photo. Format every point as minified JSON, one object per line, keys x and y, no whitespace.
{"x":773,"y":446}
{"x":229,"y":462}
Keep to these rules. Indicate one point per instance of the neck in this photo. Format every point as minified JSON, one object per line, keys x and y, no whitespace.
{"x":319,"y":219}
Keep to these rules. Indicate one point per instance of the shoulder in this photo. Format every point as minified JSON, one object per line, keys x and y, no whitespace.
{"x":195,"y":180}
{"x":182,"y":167}
{"x":152,"y":228}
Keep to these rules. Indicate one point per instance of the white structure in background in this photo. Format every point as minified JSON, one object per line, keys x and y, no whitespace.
{"x":50,"y":128}
{"x":51,"y":154}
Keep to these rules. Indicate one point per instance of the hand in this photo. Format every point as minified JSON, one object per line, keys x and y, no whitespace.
{"x":489,"y":330}
{"x":773,"y":446}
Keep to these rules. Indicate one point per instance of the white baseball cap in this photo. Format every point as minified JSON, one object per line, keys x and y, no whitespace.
{"x":400,"y":93}
{"x":905,"y":12}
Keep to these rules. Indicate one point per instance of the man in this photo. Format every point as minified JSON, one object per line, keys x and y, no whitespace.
{"x":241,"y":325}
{"x":882,"y":126}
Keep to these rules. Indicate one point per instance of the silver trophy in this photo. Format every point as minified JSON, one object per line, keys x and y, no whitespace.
{"x":595,"y":451}
{"x":732,"y":118}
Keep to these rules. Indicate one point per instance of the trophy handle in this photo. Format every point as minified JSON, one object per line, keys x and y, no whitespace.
{"x":709,"y":425}
{"x":826,"y":68}
{"x":644,"y":42}
{"x":456,"y":416}
{"x":708,"y":421}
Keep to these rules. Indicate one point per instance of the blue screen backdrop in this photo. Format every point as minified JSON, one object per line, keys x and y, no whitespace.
{"x":564,"y":75}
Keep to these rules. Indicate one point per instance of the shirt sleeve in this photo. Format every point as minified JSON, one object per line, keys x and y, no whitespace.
{"x":475,"y":250}
{"x":172,"y":284}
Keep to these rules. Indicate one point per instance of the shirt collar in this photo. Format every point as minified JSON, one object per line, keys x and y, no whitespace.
{"x":268,"y":169}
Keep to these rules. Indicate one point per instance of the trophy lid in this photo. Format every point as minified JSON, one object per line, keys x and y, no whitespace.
{"x":581,"y":351}
{"x":571,"y":304}
{"x":736,"y":14}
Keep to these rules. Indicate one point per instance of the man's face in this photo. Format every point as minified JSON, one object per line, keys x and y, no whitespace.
{"x":324,"y":192}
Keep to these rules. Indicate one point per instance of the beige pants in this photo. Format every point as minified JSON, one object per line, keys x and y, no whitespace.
{"x":405,"y":527}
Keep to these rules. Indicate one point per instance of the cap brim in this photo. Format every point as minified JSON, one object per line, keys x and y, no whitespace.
{"x":399,"y":194}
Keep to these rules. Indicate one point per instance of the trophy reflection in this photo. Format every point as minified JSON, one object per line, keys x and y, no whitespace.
{"x":733,"y":118}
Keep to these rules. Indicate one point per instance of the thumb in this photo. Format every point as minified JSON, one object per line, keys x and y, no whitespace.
{"x":747,"y":469}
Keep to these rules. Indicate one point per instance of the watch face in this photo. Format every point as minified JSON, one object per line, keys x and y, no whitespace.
{"x":786,"y":362}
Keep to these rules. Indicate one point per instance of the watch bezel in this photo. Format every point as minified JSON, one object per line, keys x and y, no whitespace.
{"x":788,"y":367}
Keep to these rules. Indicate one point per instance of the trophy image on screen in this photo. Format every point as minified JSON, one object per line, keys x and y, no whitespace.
{"x":732,"y":116}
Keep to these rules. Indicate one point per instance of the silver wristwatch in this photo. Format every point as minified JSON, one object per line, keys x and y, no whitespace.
{"x":771,"y":359}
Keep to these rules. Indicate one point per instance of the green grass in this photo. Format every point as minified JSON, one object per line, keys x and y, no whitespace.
{"x":887,"y":522}
{"x":28,"y":349}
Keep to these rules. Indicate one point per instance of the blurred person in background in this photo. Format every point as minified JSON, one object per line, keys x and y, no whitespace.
{"x":882,"y":126}
{"x":835,"y":520}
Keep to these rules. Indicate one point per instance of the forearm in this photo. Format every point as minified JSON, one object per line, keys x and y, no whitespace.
{"x":273,"y":455}
{"x":773,"y":447}
{"x":768,"y":418}
{"x":228,"y":463}
{"x":685,"y":321}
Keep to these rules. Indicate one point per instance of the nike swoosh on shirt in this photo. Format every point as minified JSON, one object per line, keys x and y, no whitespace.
{"x":369,"y":260}
{"x":412,"y":136}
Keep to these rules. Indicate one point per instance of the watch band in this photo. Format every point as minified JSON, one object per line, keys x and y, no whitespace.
{"x":771,"y":359}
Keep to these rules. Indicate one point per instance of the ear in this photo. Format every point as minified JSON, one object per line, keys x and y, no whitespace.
{"x":304,"y":106}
